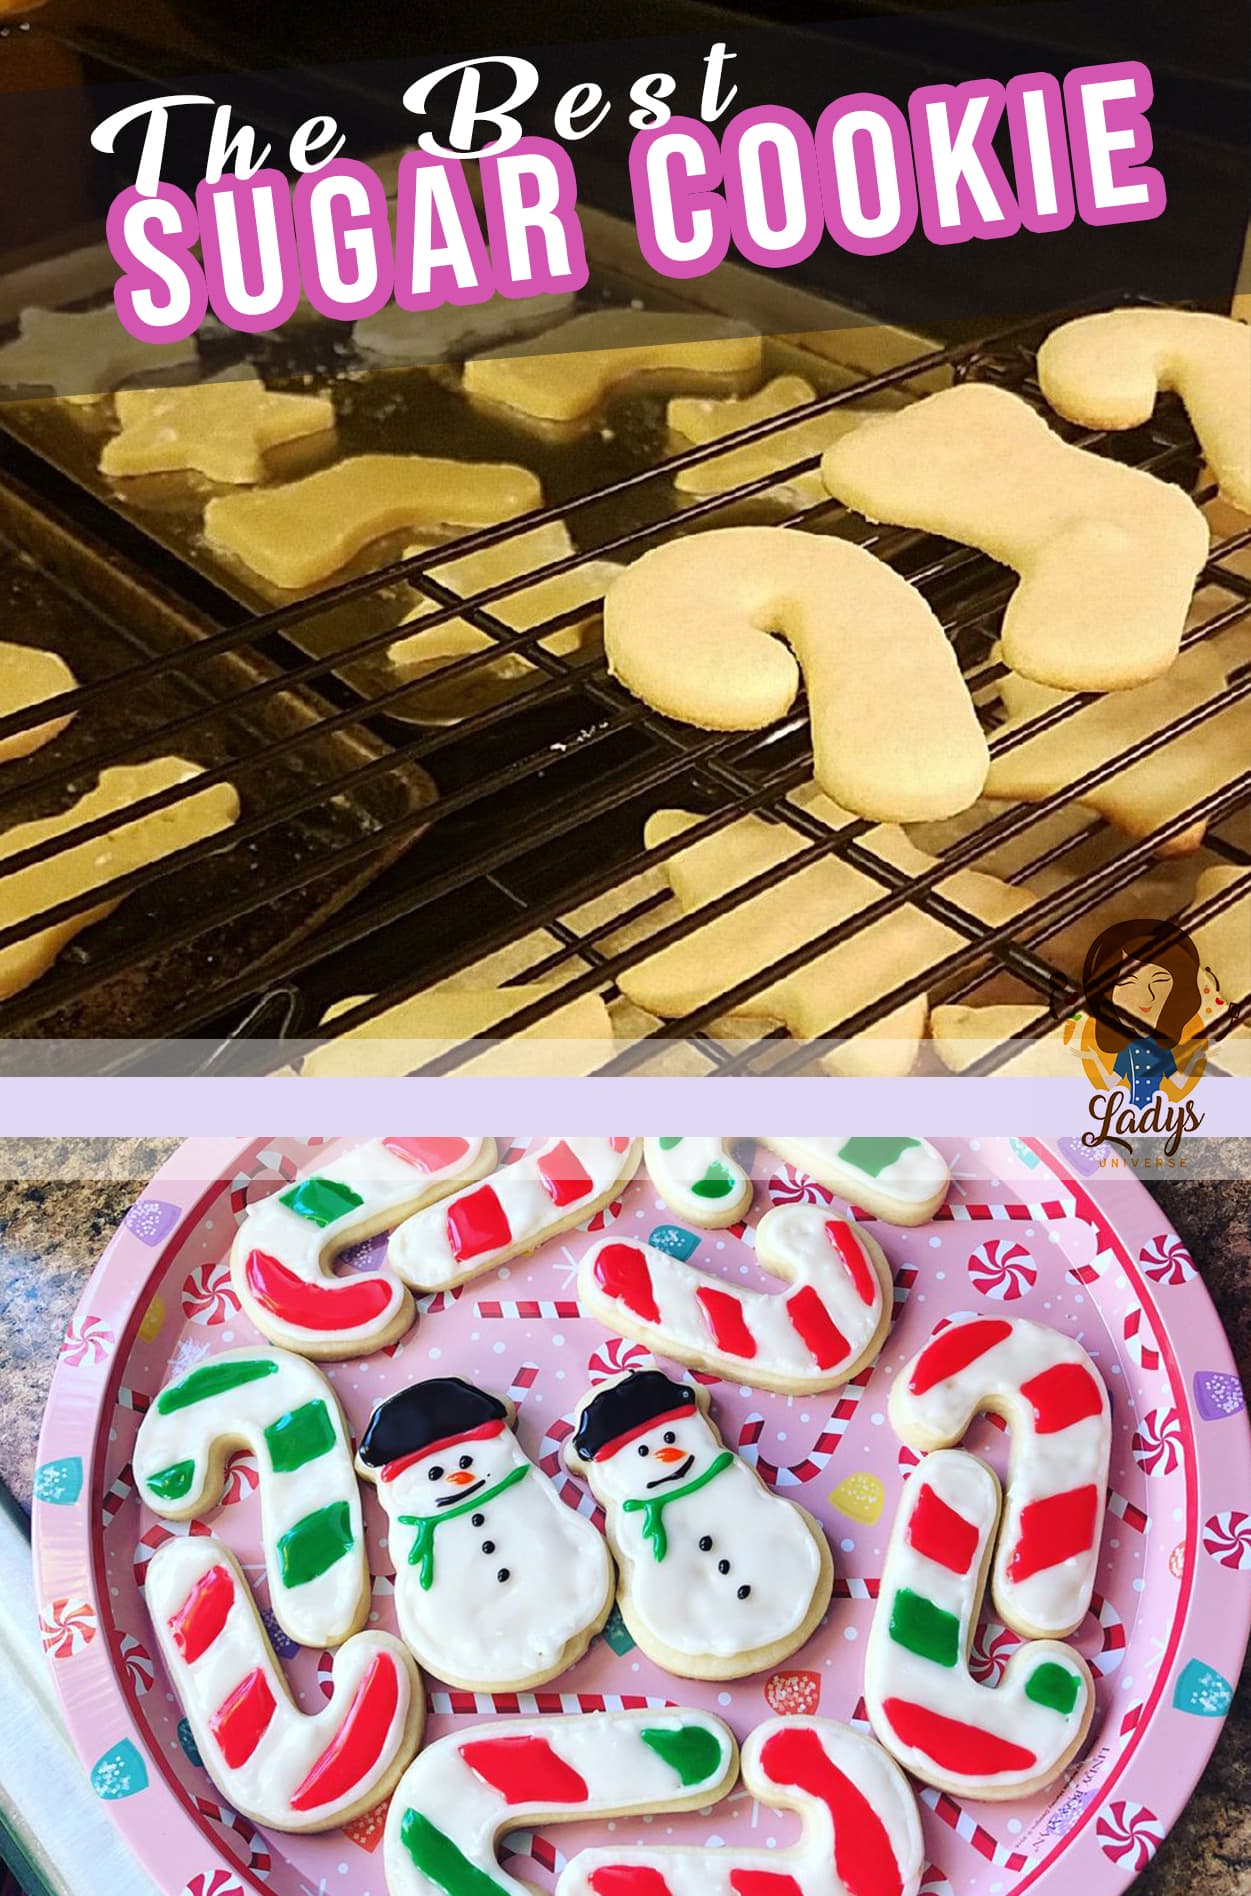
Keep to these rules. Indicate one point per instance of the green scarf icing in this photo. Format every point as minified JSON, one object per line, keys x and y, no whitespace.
{"x":421,"y":1553}
{"x":653,"y":1509}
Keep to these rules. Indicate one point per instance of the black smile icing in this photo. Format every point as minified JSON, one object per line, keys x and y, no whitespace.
{"x":462,"y":1494}
{"x":679,"y":1474}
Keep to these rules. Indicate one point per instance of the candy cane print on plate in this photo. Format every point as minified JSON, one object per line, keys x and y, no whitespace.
{"x":903,"y":1181}
{"x":284,"y":1248}
{"x":464,"y":1792}
{"x":860,"y":1834}
{"x":698,"y":1180}
{"x":718,"y":1577}
{"x":556,"y":1184}
{"x":1054,"y":1400}
{"x":284,"y":1768}
{"x":283,"y":1409}
{"x":498,"y":1585}
{"x":922,"y":1700}
{"x":820,"y":1332}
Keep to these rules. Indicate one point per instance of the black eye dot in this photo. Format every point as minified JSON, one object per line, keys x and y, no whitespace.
{"x":644,"y":1449}
{"x":670,"y":1436}
{"x":743,"y":1592}
{"x":466,"y":1461}
{"x":723,"y":1566}
{"x":435,"y":1474}
{"x":705,"y":1544}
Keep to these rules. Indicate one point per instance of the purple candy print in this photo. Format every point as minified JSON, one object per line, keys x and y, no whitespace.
{"x":151,"y":1220}
{"x":1080,"y":1157}
{"x":1217,"y":1395}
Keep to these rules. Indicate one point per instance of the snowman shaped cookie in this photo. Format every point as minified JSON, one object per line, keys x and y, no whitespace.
{"x":498,"y":1586}
{"x":718,"y":1577}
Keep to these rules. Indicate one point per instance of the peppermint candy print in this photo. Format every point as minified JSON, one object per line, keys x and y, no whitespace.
{"x":1157,"y":1442}
{"x":993,"y":1646}
{"x":602,"y":1220}
{"x":213,"y":1883}
{"x":935,"y":1882}
{"x":1166,"y":1260}
{"x":1227,"y":1538}
{"x":614,"y":1357}
{"x":137,"y":1662}
{"x":1002,"y":1270}
{"x":208,"y":1295}
{"x":67,"y":1626}
{"x":86,"y":1341}
{"x":155,"y":1537}
{"x":1130,"y":1834}
{"x":1138,"y":1341}
{"x":241,"y":1837}
{"x":789,"y":1186}
{"x":242,"y":1479}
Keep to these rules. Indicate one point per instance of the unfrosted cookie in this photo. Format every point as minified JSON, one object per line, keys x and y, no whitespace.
{"x":285,"y":1412}
{"x":691,"y":628}
{"x":27,"y":677}
{"x":404,"y":336}
{"x":718,"y":1577}
{"x":1106,"y":371}
{"x":704,"y":418}
{"x":498,"y":1585}
{"x":964,"y":1035}
{"x":567,"y":1043}
{"x":1107,"y":554}
{"x":81,"y":867}
{"x":82,"y":354}
{"x":564,"y":373}
{"x":218,"y":429}
{"x":970,"y":1740}
{"x":301,"y":532}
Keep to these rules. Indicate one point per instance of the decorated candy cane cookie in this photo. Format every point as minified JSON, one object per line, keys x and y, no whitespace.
{"x":699,"y":1180}
{"x":923,"y":1703}
{"x":820,"y":1332}
{"x":1054,"y":1400}
{"x":557,"y":1184}
{"x":719,"y":1577}
{"x":285,"y":1412}
{"x":903,"y":1181}
{"x":859,"y":1830}
{"x":498,"y":1586}
{"x":286,"y":1244}
{"x":284,"y":1768}
{"x":464,"y":1792}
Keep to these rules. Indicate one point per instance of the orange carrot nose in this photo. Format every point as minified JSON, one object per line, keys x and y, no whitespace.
{"x":462,"y":1478}
{"x":670,"y":1455}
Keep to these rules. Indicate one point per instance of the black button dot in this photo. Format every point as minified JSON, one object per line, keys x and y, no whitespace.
{"x":743,"y":1592}
{"x":502,"y":1575}
{"x":723,"y":1566}
{"x":705,"y":1544}
{"x":478,"y":1520}
{"x":488,"y":1547}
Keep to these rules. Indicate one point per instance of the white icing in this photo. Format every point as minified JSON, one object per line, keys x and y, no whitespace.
{"x":914,"y":1183}
{"x":1054,"y":1601}
{"x":622,"y":1773}
{"x":469,"y":1627}
{"x":676,"y":1170}
{"x":892,"y":1671}
{"x":294,"y":1740}
{"x":323,"y":1611}
{"x":811,"y":1861}
{"x":422,"y":1250}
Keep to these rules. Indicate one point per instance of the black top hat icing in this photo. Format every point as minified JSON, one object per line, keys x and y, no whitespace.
{"x":425,"y":1413}
{"x":627,"y":1407}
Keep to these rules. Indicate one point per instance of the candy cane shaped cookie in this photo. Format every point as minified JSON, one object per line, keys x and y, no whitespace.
{"x":282,"y":1253}
{"x":698,"y":1179}
{"x":820,"y":1332}
{"x":466,"y":1790}
{"x":1054,"y":1400}
{"x":556,"y":1184}
{"x":284,"y":1768}
{"x":944,"y":1728}
{"x":902,"y":1181}
{"x":859,"y":1830}
{"x":283,"y":1410}
{"x":498,"y":1584}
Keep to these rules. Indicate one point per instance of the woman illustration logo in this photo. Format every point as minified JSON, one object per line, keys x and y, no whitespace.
{"x":1148,"y":997}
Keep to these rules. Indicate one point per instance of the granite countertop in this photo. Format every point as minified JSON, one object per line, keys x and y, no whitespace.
{"x":61,"y":1200}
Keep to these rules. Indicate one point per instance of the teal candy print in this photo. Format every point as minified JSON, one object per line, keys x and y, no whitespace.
{"x":674,"y":1239}
{"x":186,"y":1739}
{"x":616,"y":1633}
{"x":121,"y":1772}
{"x":59,"y":1483}
{"x":1202,"y":1691}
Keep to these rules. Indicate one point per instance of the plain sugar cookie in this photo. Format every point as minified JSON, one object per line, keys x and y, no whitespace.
{"x":1107,"y":555}
{"x":27,"y":677}
{"x":1105,"y":371}
{"x":704,"y":418}
{"x":218,"y":429}
{"x":568,"y":1043}
{"x":691,"y":629}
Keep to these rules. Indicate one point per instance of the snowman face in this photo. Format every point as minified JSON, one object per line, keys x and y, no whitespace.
{"x":675,"y":1451}
{"x":457,"y":1472}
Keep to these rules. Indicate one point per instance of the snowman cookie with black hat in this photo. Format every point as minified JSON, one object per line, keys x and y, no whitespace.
{"x":718,"y":1577}
{"x":498,"y":1585}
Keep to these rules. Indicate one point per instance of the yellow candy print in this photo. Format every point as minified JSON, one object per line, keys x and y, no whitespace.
{"x":861,"y":1497}
{"x":153,"y":1320}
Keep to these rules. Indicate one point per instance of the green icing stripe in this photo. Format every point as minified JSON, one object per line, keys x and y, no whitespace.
{"x":172,"y":1483}
{"x":436,"y":1856}
{"x":928,"y":1630}
{"x":667,"y":1145}
{"x":872,"y":1156}
{"x":693,"y":1751}
{"x":211,"y":1379}
{"x":320,"y":1200}
{"x":299,"y":1437}
{"x":312,"y":1546}
{"x":717,"y":1182}
{"x":1053,"y":1686}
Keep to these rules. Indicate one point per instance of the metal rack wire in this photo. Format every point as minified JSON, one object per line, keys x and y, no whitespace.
{"x":543,"y":796}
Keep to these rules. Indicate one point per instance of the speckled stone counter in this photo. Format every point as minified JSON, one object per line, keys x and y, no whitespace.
{"x":60,"y":1202}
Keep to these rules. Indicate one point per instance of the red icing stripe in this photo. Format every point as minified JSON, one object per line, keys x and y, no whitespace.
{"x":953,"y":1746}
{"x":723,"y":1314}
{"x":483,"y":1433}
{"x":619,"y":1145}
{"x":764,"y":1883}
{"x":816,"y":1328}
{"x":203,"y":1613}
{"x":621,"y":1271}
{"x":565,"y":1178}
{"x":643,"y":1428}
{"x":241,"y":1721}
{"x":954,"y":1350}
{"x":477,"y":1223}
{"x":355,"y":1751}
{"x":942,"y":1535}
{"x":347,"y":1303}
{"x":525,"y":1770}
{"x":1062,"y":1396}
{"x":627,"y":1879}
{"x":428,"y":1155}
{"x":1053,"y":1530}
{"x":853,"y":1254}
{"x":863,"y":1856}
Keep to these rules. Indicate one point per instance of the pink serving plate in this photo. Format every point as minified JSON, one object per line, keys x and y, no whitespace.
{"x":1023,"y":1229}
